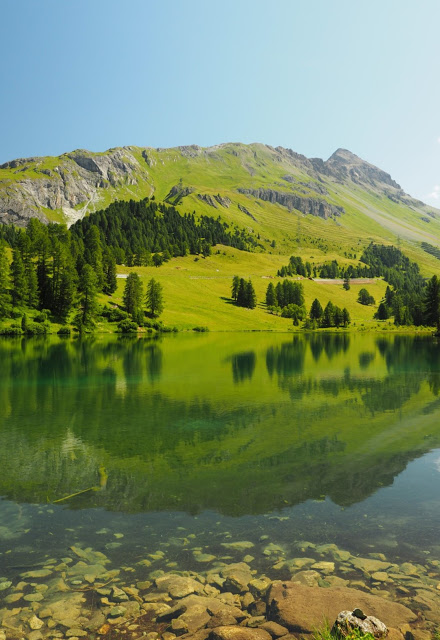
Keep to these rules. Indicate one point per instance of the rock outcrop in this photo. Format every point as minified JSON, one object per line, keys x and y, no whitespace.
{"x":313,"y":206}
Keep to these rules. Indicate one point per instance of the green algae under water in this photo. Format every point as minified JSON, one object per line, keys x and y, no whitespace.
{"x":190,"y":443}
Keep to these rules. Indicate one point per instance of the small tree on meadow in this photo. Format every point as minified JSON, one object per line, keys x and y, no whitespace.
{"x":154,"y":298}
{"x":365,"y":298}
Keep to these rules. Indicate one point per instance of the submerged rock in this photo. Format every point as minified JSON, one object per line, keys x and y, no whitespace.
{"x":349,"y":621}
{"x":302,"y":609}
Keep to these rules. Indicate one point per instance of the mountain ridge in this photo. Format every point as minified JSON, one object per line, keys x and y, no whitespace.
{"x":276,"y":192}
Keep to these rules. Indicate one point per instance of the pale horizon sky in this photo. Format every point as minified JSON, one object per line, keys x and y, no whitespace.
{"x":311,"y":75}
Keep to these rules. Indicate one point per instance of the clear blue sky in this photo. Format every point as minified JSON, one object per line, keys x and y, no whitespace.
{"x":312,"y":75}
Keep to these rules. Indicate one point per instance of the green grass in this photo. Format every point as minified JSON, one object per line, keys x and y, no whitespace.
{"x":198,"y":292}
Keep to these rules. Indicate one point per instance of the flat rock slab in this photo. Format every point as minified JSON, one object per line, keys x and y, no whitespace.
{"x":238,"y":633}
{"x":302,"y":609}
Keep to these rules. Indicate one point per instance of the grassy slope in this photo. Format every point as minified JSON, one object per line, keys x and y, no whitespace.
{"x":198,"y":292}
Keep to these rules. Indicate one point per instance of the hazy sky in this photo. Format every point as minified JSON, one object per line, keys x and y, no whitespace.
{"x":312,"y":75}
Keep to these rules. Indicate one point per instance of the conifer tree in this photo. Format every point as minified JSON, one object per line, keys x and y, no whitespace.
{"x":109,"y":267}
{"x":154,"y":298}
{"x":251,"y":297}
{"x":316,"y":310}
{"x":235,"y":287}
{"x":88,"y":285}
{"x":19,"y":281}
{"x":432,"y":303}
{"x":5,"y":298}
{"x":132,"y":297}
{"x":271,"y":300}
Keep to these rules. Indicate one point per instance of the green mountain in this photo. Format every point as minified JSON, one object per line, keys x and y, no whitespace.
{"x":279,"y":195}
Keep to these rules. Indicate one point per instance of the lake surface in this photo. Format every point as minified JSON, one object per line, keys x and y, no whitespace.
{"x":179,"y":447}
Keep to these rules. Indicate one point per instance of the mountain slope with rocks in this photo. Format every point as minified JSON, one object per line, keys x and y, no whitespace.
{"x":280,"y":195}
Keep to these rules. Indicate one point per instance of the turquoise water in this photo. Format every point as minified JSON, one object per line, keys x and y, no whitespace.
{"x":185,"y":444}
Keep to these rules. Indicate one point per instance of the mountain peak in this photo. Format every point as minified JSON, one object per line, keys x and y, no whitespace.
{"x":343,"y":164}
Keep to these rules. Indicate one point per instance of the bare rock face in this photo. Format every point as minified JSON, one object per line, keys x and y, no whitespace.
{"x":348,"y":621}
{"x":302,"y":609}
{"x":71,"y":186}
{"x":313,"y":206}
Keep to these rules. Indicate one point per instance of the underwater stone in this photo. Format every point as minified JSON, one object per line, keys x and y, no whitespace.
{"x":33,"y":597}
{"x":14,"y":597}
{"x":5,"y":585}
{"x":369,"y":565}
{"x":238,"y":546}
{"x":38,"y":573}
{"x":116,"y":612}
{"x":35,"y":623}
{"x":325,"y":567}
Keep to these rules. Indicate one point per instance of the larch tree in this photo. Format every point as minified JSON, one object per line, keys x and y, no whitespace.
{"x":154,"y":298}
{"x":132,"y":297}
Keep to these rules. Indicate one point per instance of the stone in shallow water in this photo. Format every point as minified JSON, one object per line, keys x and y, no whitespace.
{"x":325,"y":567}
{"x":239,"y":633}
{"x":33,"y":597}
{"x":5,"y":585}
{"x":309,"y":578}
{"x":381,"y":576}
{"x":38,"y":573}
{"x":14,"y":597}
{"x":77,"y":633}
{"x":203,"y":557}
{"x":369,"y":565}
{"x":303,"y":609}
{"x":35,"y":623}
{"x":238,"y":546}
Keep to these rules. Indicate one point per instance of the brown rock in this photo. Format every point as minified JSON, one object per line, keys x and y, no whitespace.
{"x":302,"y":609}
{"x":238,"y":633}
{"x":275,"y":629}
{"x":222,"y":619}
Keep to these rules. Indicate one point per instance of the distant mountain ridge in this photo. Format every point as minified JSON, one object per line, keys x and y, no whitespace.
{"x":254,"y":184}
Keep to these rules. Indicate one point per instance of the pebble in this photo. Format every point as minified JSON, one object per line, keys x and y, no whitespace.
{"x":35,"y":623}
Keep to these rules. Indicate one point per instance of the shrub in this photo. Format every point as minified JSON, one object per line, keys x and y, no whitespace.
{"x":201,"y":329}
{"x":127,"y":326}
{"x":11,"y":331}
{"x":64,"y":331}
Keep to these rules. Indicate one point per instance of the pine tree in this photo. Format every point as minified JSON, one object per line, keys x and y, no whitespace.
{"x":109,"y":268}
{"x":19,"y":281}
{"x":251,"y":297}
{"x":154,"y":298}
{"x":132,"y":297}
{"x":271,"y":300}
{"x":93,"y":253}
{"x":345,"y":317}
{"x":316,"y":310}
{"x":88,"y":285}
{"x":235,"y":287}
{"x":432,"y":303}
{"x":346,"y":284}
{"x":5,"y":298}
{"x":241,"y":293}
{"x":327,"y":319}
{"x":382,"y":312}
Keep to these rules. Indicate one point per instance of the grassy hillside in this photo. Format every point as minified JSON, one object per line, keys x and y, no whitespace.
{"x":374,"y":208}
{"x":197,"y":292}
